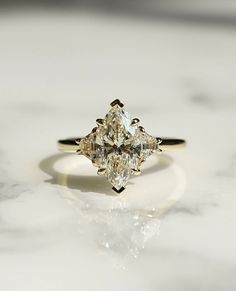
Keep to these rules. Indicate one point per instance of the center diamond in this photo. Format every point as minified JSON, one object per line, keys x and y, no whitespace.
{"x":118,"y":146}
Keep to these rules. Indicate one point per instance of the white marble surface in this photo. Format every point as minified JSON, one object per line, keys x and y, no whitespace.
{"x":60,"y":226}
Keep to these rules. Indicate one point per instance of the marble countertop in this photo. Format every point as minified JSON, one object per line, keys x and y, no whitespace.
{"x":60,"y":226}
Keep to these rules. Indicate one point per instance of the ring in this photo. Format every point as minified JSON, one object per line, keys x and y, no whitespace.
{"x":118,"y":146}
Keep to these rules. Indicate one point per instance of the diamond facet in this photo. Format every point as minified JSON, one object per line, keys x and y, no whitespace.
{"x":118,"y":146}
{"x":118,"y":169}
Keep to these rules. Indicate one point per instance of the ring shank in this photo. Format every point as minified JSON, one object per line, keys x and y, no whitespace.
{"x":71,"y":145}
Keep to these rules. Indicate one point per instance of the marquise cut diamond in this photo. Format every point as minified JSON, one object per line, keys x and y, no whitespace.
{"x":118,"y":146}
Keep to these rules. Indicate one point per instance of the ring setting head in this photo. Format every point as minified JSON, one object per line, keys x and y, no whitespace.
{"x":118,"y":146}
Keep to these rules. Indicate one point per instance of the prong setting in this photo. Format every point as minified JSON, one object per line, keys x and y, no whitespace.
{"x":117,"y":102}
{"x":141,"y":129}
{"x":118,"y":190}
{"x":101,"y":172}
{"x":159,"y":140}
{"x":77,"y":141}
{"x":78,"y":152}
{"x":135,"y":122}
{"x":100,"y":121}
{"x":136,"y":172}
{"x":94,"y":129}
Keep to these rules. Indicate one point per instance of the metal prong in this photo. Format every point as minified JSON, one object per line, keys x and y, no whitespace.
{"x":135,"y":121}
{"x":118,"y":191}
{"x":141,"y":129}
{"x":135,"y":172}
{"x":101,"y":172}
{"x":78,"y":140}
{"x":94,"y":130}
{"x":100,"y":121}
{"x":78,"y":152}
{"x":94,"y":163}
{"x":159,"y":140}
{"x":117,"y":102}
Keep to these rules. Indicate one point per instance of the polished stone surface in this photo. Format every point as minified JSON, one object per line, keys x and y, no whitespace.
{"x":61,"y":227}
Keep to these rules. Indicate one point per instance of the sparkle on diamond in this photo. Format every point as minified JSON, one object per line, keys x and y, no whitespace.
{"x":118,"y":146}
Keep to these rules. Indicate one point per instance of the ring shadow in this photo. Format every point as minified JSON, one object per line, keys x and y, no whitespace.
{"x":92,"y":183}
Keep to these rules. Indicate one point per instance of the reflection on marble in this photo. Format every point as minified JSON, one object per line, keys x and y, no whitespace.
{"x":117,"y":222}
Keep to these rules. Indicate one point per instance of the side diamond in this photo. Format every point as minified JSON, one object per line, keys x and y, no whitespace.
{"x":149,"y":145}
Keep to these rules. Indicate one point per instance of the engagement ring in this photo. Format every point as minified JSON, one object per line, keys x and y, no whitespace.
{"x":118,"y":146}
